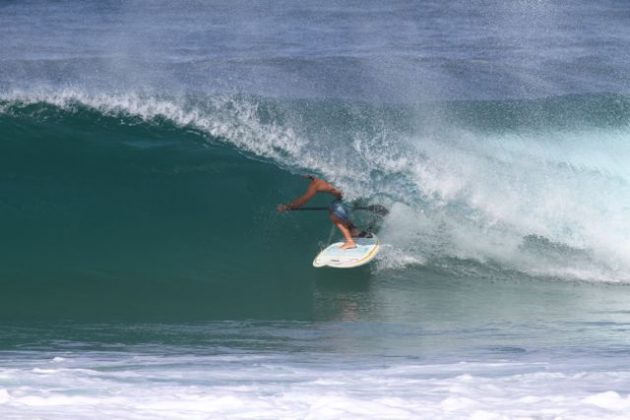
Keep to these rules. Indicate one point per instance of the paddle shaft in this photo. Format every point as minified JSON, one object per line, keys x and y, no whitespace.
{"x":309,"y":208}
{"x":375,"y":208}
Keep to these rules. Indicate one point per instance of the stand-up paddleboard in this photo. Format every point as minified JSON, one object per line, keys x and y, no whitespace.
{"x":335,"y":257}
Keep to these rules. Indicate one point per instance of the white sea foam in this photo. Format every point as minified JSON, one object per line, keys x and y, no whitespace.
{"x":492,"y":200}
{"x":201,"y":387}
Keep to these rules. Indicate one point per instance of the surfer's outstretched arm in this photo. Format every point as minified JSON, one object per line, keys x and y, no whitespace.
{"x":301,"y":200}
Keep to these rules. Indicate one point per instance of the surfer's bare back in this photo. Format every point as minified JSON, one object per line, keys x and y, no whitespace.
{"x":337,"y":210}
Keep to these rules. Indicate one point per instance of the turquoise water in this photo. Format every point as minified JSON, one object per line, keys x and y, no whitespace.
{"x":145,"y":273}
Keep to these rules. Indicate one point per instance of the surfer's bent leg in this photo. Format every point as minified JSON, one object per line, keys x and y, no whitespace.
{"x":345,"y":231}
{"x":338,"y":209}
{"x":340,"y":217}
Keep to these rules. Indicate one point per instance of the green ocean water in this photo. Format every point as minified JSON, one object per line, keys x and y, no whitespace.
{"x":133,"y":219}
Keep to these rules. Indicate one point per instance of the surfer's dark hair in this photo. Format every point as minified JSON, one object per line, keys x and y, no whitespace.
{"x":311,"y":177}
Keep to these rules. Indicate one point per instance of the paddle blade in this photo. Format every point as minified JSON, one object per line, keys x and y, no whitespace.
{"x":375,"y":208}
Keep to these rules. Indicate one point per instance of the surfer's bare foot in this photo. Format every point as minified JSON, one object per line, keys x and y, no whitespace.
{"x":348,"y":245}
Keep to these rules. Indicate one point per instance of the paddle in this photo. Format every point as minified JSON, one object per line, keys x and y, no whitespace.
{"x":375,"y":208}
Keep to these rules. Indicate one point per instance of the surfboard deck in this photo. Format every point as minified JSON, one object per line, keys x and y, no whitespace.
{"x":333,"y":256}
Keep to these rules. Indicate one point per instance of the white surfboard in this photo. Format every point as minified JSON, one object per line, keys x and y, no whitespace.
{"x":333,"y":256}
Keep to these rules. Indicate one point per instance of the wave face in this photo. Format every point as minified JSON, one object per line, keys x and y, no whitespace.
{"x":107,"y":212}
{"x":137,"y":198}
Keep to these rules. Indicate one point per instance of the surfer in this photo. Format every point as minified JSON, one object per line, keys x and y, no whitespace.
{"x":337,"y":210}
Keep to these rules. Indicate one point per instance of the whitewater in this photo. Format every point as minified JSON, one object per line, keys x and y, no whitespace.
{"x":143,"y":143}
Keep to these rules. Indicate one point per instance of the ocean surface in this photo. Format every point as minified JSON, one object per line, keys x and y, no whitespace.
{"x":144,"y":271}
